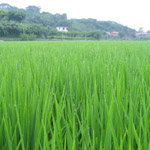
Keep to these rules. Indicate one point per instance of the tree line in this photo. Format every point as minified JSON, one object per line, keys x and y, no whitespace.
{"x":15,"y":22}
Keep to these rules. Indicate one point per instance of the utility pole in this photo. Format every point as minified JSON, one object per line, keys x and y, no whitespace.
{"x":85,"y":36}
{"x":22,"y":27}
{"x":62,"y":36}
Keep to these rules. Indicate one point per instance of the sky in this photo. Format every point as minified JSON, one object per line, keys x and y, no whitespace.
{"x":132,"y":13}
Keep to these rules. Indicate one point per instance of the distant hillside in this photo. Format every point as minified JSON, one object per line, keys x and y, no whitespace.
{"x":93,"y":24}
{"x":32,"y":15}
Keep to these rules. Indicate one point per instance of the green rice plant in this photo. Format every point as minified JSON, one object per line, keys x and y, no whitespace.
{"x":74,"y":95}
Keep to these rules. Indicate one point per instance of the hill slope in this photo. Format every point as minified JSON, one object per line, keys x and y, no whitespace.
{"x":49,"y":21}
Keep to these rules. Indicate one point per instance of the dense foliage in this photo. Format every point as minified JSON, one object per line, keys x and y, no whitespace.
{"x":44,"y":23}
{"x":74,"y":95}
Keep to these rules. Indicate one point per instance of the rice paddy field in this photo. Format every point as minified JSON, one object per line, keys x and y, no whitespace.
{"x":81,"y":95}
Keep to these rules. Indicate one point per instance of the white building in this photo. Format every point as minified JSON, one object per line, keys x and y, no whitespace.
{"x":63,"y":29}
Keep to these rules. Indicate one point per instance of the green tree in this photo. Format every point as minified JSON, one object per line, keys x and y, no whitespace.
{"x":6,"y":6}
{"x":34,"y":29}
{"x":10,"y":28}
{"x":16,"y":15}
{"x":33,"y":9}
{"x":122,"y":34}
{"x":94,"y":34}
{"x":3,"y":15}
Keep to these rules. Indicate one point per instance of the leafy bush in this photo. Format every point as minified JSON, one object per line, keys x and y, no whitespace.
{"x":28,"y":37}
{"x":32,"y":37}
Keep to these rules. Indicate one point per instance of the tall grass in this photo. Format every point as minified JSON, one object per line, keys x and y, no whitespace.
{"x":75,"y":95}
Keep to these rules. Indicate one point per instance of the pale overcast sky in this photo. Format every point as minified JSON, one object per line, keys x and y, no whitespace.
{"x":133,"y":13}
